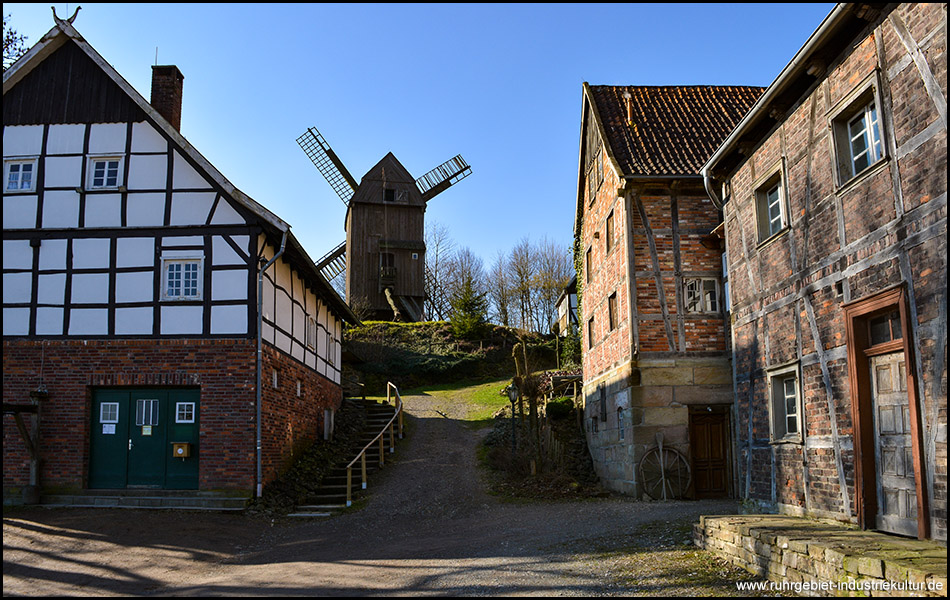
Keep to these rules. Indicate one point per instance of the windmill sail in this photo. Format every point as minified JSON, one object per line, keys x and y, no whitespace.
{"x":329,"y":165}
{"x":333,"y":266}
{"x":440,"y":178}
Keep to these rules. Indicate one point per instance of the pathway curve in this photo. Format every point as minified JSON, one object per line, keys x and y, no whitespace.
{"x":427,"y":528}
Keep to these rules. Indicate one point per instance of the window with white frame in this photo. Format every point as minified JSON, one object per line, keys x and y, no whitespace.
{"x":184,"y":412}
{"x":105,"y":172}
{"x":785,"y":404}
{"x":109,"y":412}
{"x":182,"y":278}
{"x":770,"y":210}
{"x":864,"y":136}
{"x":20,"y":175}
{"x":857,"y":131}
{"x":702,"y":295}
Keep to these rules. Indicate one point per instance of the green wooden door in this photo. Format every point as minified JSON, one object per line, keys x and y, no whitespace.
{"x":132,"y":437}
{"x":109,"y":440}
{"x":147,"y":441}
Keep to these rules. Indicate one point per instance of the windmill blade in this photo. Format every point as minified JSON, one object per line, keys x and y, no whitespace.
{"x":328,"y":164}
{"x":333,"y":262}
{"x":440,"y":178}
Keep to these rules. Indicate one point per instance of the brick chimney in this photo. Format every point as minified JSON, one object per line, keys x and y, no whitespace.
{"x":166,"y":93}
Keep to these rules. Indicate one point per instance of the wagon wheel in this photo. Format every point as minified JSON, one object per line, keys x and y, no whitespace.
{"x":664,"y":472}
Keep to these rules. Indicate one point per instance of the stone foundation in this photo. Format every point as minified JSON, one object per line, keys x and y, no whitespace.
{"x":813,"y":558}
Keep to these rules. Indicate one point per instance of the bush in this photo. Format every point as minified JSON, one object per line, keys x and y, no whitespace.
{"x":559,"y":408}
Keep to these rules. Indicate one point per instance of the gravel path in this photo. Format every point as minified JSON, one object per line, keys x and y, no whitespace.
{"x":427,"y":528}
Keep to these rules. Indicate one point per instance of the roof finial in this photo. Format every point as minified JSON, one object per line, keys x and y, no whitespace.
{"x":69,"y":20}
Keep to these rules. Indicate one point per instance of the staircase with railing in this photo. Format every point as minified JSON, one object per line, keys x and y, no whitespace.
{"x":384,"y":421}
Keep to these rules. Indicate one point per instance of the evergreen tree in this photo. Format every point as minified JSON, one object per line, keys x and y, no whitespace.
{"x":469,"y":309}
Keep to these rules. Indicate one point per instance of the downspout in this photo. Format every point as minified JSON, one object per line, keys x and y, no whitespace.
{"x":710,"y":184}
{"x":260,"y":325}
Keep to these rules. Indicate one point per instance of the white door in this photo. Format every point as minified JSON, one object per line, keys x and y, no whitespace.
{"x":893,"y":452}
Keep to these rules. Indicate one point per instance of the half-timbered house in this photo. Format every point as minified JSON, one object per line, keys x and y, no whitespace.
{"x":160,"y":328}
{"x":834,"y":191}
{"x":653,"y":316}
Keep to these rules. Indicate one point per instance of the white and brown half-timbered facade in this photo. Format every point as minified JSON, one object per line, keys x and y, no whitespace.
{"x":132,"y":316}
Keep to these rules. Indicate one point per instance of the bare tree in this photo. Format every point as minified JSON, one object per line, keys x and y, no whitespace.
{"x":522,"y":267}
{"x":465,"y":269}
{"x":440,"y":249}
{"x":553,"y":274}
{"x":499,"y":289}
{"x":14,"y":44}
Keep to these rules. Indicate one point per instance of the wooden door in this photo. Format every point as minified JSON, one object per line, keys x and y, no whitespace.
{"x":132,"y":435}
{"x":893,"y":450}
{"x":709,"y":451}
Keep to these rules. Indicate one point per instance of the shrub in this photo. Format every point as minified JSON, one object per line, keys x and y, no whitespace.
{"x":559,"y":408}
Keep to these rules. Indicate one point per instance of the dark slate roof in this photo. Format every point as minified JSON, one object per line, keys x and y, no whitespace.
{"x":674,"y":130}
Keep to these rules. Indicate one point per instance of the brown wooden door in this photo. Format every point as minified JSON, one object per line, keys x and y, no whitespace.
{"x":896,"y":486}
{"x":709,"y":451}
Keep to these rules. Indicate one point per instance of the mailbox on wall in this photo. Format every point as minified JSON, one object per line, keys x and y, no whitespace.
{"x":181,"y":449}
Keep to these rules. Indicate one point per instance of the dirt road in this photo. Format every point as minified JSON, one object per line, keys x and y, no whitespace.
{"x":428,"y":528}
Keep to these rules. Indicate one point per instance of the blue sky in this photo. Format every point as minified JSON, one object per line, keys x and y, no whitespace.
{"x":499,"y":84}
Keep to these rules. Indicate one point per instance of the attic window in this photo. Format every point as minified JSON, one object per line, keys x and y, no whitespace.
{"x":396,"y":196}
{"x":19,"y":175}
{"x":104,"y":173}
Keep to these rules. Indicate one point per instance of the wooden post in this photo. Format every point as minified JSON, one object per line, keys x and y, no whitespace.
{"x":392,"y":438}
{"x":349,"y":486}
{"x":363,"y":467}
{"x":381,"y":455}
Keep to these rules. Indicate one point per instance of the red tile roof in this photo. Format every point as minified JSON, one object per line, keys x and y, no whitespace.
{"x":674,"y":129}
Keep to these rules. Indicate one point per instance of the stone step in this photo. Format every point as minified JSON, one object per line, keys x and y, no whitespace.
{"x":160,"y":501}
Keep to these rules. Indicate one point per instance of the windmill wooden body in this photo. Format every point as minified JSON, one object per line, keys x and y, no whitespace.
{"x":382,"y":259}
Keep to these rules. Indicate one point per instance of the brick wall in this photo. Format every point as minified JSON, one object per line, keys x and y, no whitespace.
{"x":224,"y":370}
{"x":846,"y":242}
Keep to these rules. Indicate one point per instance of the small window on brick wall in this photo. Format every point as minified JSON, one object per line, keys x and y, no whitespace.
{"x":771,"y":213}
{"x":609,"y":233}
{"x":785,"y":405}
{"x":702,"y":295}
{"x":612,"y":311}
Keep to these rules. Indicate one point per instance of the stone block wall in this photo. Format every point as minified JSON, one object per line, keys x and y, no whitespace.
{"x":814,"y":559}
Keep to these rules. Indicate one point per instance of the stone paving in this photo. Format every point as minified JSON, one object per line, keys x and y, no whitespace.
{"x":817,"y":558}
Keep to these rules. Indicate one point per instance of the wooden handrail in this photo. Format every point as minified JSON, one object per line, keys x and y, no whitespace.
{"x":396,"y":418}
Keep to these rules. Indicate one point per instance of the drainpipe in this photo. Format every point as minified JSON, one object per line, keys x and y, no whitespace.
{"x":260,"y":325}
{"x":710,"y":184}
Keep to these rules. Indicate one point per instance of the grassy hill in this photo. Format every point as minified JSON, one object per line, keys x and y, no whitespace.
{"x":421,"y":354}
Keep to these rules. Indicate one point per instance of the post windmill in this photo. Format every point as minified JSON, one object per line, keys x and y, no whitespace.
{"x":382,"y":259}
